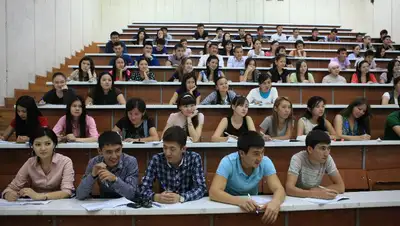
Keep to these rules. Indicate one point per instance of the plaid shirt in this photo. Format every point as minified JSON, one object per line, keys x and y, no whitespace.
{"x":187,"y":179}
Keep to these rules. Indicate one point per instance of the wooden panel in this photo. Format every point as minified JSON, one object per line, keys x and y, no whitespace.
{"x":327,"y":218}
{"x":317,"y":91}
{"x":12,"y":160}
{"x":379,"y":216}
{"x":195,"y":220}
{"x":384,"y":179}
{"x":150,"y":94}
{"x":347,"y":157}
{"x":353,"y":179}
{"x":215,"y":156}
{"x":94,"y":220}
{"x":282,"y":177}
{"x":5,"y":180}
{"x":79,"y":157}
{"x":245,"y":219}
{"x":26,"y":220}
{"x":382,"y":157}
{"x":342,"y":94}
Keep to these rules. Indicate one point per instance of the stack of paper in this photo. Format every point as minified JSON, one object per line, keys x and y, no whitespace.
{"x":325,"y":201}
{"x":105,"y":204}
{"x":22,"y":202}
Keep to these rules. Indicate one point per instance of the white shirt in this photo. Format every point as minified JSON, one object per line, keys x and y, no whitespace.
{"x":252,"y":53}
{"x":277,"y":37}
{"x":234,"y":62}
{"x":203,"y":60}
{"x":255,"y":96}
{"x":292,"y":38}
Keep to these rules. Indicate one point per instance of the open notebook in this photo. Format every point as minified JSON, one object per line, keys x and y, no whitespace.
{"x":324,"y":201}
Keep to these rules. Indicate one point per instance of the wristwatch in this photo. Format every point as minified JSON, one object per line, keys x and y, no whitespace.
{"x":181,"y":199}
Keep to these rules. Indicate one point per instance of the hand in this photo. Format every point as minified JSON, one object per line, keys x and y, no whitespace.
{"x":125,"y":68}
{"x":11,"y":196}
{"x":105,"y":175}
{"x":365,"y":137}
{"x":196,"y":112}
{"x":249,"y":205}
{"x":332,"y":137}
{"x":62,"y":138}
{"x":129,"y":140}
{"x":41,"y":102}
{"x":323,"y":193}
{"x":22,"y":139}
{"x":167,"y":197}
{"x":250,"y":68}
{"x":234,"y":137}
{"x":2,"y":138}
{"x":267,"y":137}
{"x":97,"y":168}
{"x":31,"y":194}
{"x":71,"y":137}
{"x":64,"y":87}
{"x":271,"y":212}
{"x":192,"y":90}
{"x":370,"y":82}
{"x":147,"y":55}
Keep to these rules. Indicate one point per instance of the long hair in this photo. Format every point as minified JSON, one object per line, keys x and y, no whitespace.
{"x":225,"y":50}
{"x":238,"y":101}
{"x":82,"y":118}
{"x":181,"y":67}
{"x":82,"y":76}
{"x":224,"y":41}
{"x":188,"y":99}
{"x":115,"y":70}
{"x":98,"y":90}
{"x":311,"y":104}
{"x":219,"y":98}
{"x":25,"y":127}
{"x":183,"y":82}
{"x":363,"y":121}
{"x":208,"y":70}
{"x":275,"y":116}
{"x":205,"y":48}
{"x":137,"y":37}
{"x":390,"y":67}
{"x":358,"y":71}
{"x":298,"y":65}
{"x":136,"y":103}
{"x":245,"y":42}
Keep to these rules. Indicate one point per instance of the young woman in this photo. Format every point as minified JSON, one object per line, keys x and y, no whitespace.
{"x":393,"y":96}
{"x":352,"y":123}
{"x":27,"y":119}
{"x":314,"y":118}
{"x":279,"y":125}
{"x":120,"y":72}
{"x":356,"y":53}
{"x":235,"y":124}
{"x":366,"y":45}
{"x":227,"y":49}
{"x":265,"y":93}
{"x":188,"y":85}
{"x":104,"y":92}
{"x":334,"y":74}
{"x":160,"y":35}
{"x":272,"y":48}
{"x":281,"y":50}
{"x":205,"y":48}
{"x":393,"y":71}
{"x":85,"y":72}
{"x":188,"y":117}
{"x":136,"y":125}
{"x":299,"y":49}
{"x":278,"y":72}
{"x":380,"y":52}
{"x":301,"y":75}
{"x":250,"y":73}
{"x":212,"y":72}
{"x":248,"y":41}
{"x":60,"y":94}
{"x":186,"y":67}
{"x":256,"y":51}
{"x":225,"y":38}
{"x":76,"y":125}
{"x":362,"y":74}
{"x":222,"y":95}
{"x":45,"y":176}
{"x":143,"y":73}
{"x":140,"y":37}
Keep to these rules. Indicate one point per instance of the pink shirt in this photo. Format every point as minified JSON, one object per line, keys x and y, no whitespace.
{"x":91,"y":129}
{"x":60,"y":177}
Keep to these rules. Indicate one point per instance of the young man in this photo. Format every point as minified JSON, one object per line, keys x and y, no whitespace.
{"x":166,"y":35}
{"x":114,"y":171}
{"x":308,"y":167}
{"x":114,"y":37}
{"x":119,"y":51}
{"x":238,"y":59}
{"x":147,"y":53}
{"x":314,"y":36}
{"x":160,"y":47}
{"x":239,"y":174}
{"x":179,"y":172}
{"x":332,"y":37}
{"x":187,"y":51}
{"x":213,"y":50}
{"x":369,"y":57}
{"x":296,"y":35}
{"x":176,"y":58}
{"x":200,"y":34}
{"x":219,"y":33}
{"x":359,"y":38}
{"x":392,"y":126}
{"x":279,"y":36}
{"x":342,"y":59}
{"x":260,"y":34}
{"x":242,"y":33}
{"x":387,"y":43}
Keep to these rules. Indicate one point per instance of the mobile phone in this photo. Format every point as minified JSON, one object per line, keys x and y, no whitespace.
{"x":293,"y":140}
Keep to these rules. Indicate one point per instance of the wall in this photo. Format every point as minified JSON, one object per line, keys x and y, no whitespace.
{"x":37,"y":35}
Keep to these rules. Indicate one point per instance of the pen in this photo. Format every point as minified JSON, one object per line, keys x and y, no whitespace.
{"x":157,"y":205}
{"x":248,"y":195}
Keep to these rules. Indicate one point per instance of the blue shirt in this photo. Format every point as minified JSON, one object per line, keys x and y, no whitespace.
{"x":162,"y":51}
{"x":110,"y":47}
{"x":153,"y":61}
{"x":238,"y":182}
{"x":128,"y":60}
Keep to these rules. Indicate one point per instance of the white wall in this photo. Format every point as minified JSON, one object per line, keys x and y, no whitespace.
{"x":38,"y":34}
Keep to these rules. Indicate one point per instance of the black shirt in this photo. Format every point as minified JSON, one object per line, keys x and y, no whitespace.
{"x":105,"y":99}
{"x":276,"y":77}
{"x":130,"y":131}
{"x":233,"y":131}
{"x":197,"y":35}
{"x":51,"y":96}
{"x":314,"y":39}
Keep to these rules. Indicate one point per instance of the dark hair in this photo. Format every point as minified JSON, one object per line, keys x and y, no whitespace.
{"x":138,"y":103}
{"x":314,"y":29}
{"x":148,"y":43}
{"x":279,"y":49}
{"x":208,"y":70}
{"x":311,"y":104}
{"x":213,"y":44}
{"x":219,"y":98}
{"x":205,"y":49}
{"x":183,"y":82}
{"x":175,"y":134}
{"x":82,"y":76}
{"x":58,"y":74}
{"x":278,"y":26}
{"x":378,"y":52}
{"x":358,"y":71}
{"x":117,"y":44}
{"x":250,"y":139}
{"x":180,"y":68}
{"x":245,"y":42}
{"x":114,"y":33}
{"x":164,"y":28}
{"x":160,"y":41}
{"x":200,"y":25}
{"x":298,"y":65}
{"x":109,"y":138}
{"x":224,"y":41}
{"x":144,"y":38}
{"x":246,"y":64}
{"x":316,"y":137}
{"x":219,"y":29}
{"x":41,"y":132}
{"x":25,"y":127}
{"x":177,"y":46}
{"x":359,"y":34}
{"x":224,"y":46}
{"x":238,"y":101}
{"x":341,"y":49}
{"x":114,"y":70}
{"x":188,"y":99}
{"x":142,"y":59}
{"x":384,"y":31}
{"x":237,"y":47}
{"x":277,"y":58}
{"x":182,"y":40}
{"x":263,"y":77}
{"x":254,"y":42}
{"x":297,"y":43}
{"x":390,"y":67}
{"x":98,"y":90}
{"x":163,"y":36}
{"x":272,"y":43}
{"x":334,"y":30}
{"x":259,"y":28}
{"x":369,"y":53}
{"x":82,"y":118}
{"x":363,"y":121}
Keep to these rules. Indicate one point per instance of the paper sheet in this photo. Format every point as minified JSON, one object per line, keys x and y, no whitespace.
{"x":231,"y":140}
{"x":22,"y":202}
{"x":261,"y":200}
{"x":105,"y":204}
{"x":324,"y":201}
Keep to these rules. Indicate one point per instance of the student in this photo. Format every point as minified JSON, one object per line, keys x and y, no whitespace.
{"x":242,"y":34}
{"x":219,"y":32}
{"x":188,"y":182}
{"x":380,"y":52}
{"x":227,"y":49}
{"x":104,"y":92}
{"x":119,"y":51}
{"x":299,"y":49}
{"x":332,"y":37}
{"x":256,"y":51}
{"x":369,"y":57}
{"x":212,"y":70}
{"x":136,"y":125}
{"x":60,"y":94}
{"x":278,"y":72}
{"x":188,"y":85}
{"x":260,"y":35}
{"x":143,"y":73}
{"x":279,"y":125}
{"x":314,"y":36}
{"x":393,"y":71}
{"x":248,"y":41}
{"x":272,"y":49}
{"x":366,"y":45}
{"x":187,"y":51}
{"x":393,"y":96}
{"x":160,"y":46}
{"x":115,"y":172}
{"x":356,"y":53}
{"x":159,"y":35}
{"x":387,"y":43}
{"x":279,"y":36}
{"x":308,"y":167}
{"x":147,"y":54}
{"x":342,"y":59}
{"x":238,"y":60}
{"x":120,"y":71}
{"x":213,"y":51}
{"x":237,"y":123}
{"x":206,"y":48}
{"x":314,"y":118}
{"x":296,"y":35}
{"x":265,"y":93}
{"x":301,"y":75}
{"x":45,"y":176}
{"x":250,"y":73}
{"x":352,"y":123}
{"x":333,"y":76}
{"x":392,"y":126}
{"x":225,"y":38}
{"x":140,"y":38}
{"x":239,"y":174}
{"x":362,"y":74}
{"x":114,"y":37}
{"x":176,"y":58}
{"x":200,"y":34}
{"x":282,"y":50}
{"x":185,"y":68}
{"x":85,"y":72}
{"x":221,"y":95}
{"x":27,"y":119}
{"x":382,"y":34}
{"x":76,"y":125}
{"x":359,"y":38}
{"x":166,"y":35}
{"x":188,"y":117}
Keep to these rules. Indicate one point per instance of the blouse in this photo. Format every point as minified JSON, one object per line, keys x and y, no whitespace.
{"x":346,"y":130}
{"x":178,"y":119}
{"x":75,"y":76}
{"x":212,"y":98}
{"x":204,"y":77}
{"x":354,"y":78}
{"x":137,"y":77}
{"x":308,"y":125}
{"x":126,"y":75}
{"x":91,"y":129}
{"x":252,"y":53}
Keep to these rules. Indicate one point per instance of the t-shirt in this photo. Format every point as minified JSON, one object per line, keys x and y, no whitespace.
{"x":178,"y":119}
{"x":238,"y":182}
{"x":293,"y":78}
{"x":292,"y":38}
{"x":354,"y":78}
{"x":130,"y":131}
{"x":197,"y":36}
{"x":255,"y":96}
{"x":128,"y":60}
{"x":310,"y":175}
{"x":343,"y":65}
{"x":153,"y":61}
{"x":105,"y":99}
{"x":174,"y":61}
{"x":253,"y":54}
{"x":392,"y":120}
{"x":24,"y":131}
{"x":278,"y":37}
{"x":333,"y":79}
{"x":162,"y":51}
{"x":267,"y":126}
{"x":51,"y":97}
